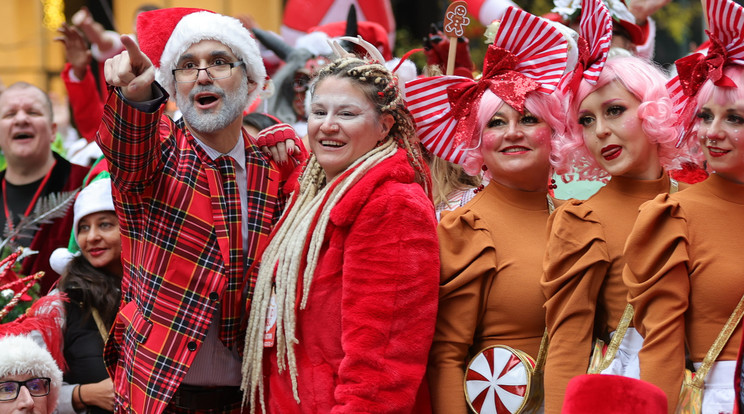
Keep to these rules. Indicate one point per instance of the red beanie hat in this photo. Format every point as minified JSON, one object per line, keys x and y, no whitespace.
{"x":613,"y":394}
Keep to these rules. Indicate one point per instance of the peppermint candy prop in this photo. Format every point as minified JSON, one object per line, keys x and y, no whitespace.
{"x":498,"y":380}
{"x":725,"y":19}
{"x":528,"y":55}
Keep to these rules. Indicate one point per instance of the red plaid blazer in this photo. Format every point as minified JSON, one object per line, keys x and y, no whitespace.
{"x":181,"y":248}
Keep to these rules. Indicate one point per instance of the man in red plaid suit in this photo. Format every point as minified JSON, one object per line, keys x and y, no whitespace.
{"x":196,"y":200}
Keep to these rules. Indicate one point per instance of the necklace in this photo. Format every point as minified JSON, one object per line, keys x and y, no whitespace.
{"x":34,"y":199}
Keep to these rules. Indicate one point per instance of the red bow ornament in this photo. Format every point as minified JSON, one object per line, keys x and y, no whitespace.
{"x":695,"y":69}
{"x":500,"y":78}
{"x":725,"y":19}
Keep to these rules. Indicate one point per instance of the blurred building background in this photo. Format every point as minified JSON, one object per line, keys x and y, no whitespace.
{"x":28,"y":51}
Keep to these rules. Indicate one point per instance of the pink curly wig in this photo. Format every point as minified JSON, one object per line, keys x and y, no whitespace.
{"x":549,"y":108}
{"x":720,"y":95}
{"x":648,"y":84}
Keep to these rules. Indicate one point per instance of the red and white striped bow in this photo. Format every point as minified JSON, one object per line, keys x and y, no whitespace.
{"x":595,"y":37}
{"x":725,"y":19}
{"x":527,"y":55}
{"x":596,"y":28}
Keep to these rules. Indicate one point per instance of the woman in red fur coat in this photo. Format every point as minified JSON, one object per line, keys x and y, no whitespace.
{"x":348,"y":283}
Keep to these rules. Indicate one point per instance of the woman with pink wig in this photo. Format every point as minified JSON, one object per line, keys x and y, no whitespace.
{"x":623,"y":130}
{"x":683,"y":272}
{"x":504,"y":126}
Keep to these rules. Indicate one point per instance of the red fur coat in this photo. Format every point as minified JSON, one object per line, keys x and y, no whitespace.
{"x":365,"y":334}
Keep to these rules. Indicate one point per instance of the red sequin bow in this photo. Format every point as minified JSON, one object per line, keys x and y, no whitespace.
{"x":500,"y":77}
{"x":695,"y":69}
{"x":725,"y":19}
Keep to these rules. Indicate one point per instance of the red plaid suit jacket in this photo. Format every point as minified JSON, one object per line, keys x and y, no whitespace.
{"x":181,"y":248}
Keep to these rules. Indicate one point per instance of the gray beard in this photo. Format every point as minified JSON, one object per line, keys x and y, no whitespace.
{"x":209,"y":122}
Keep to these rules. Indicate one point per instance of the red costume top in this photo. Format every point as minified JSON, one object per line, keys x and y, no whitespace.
{"x":365,"y":334}
{"x":86,"y":103}
{"x":302,"y":15}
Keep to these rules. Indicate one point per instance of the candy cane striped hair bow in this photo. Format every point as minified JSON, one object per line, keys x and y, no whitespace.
{"x":595,"y":37}
{"x":725,"y":19}
{"x":528,"y":55}
{"x":596,"y":29}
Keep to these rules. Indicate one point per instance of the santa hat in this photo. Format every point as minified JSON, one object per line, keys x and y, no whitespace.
{"x":32,"y":345}
{"x":613,"y":394}
{"x":94,"y":198}
{"x":21,"y":355}
{"x":165,"y":34}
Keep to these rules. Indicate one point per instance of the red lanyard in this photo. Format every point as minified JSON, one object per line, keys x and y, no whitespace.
{"x":8,"y":217}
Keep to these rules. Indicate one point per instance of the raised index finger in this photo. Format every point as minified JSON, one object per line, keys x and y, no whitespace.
{"x":137,"y":59}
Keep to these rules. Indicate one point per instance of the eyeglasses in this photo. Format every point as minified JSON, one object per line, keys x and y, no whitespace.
{"x":37,"y":387}
{"x":220,"y":71}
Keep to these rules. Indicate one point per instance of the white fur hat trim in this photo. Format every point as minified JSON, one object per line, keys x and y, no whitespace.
{"x":94,"y":198}
{"x":60,"y":258}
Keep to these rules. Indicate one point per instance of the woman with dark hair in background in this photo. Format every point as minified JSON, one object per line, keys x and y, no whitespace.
{"x":92,"y":282}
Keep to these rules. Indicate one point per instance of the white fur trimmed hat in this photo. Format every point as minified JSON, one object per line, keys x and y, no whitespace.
{"x":93,"y":198}
{"x":165,"y":34}
{"x":21,"y":355}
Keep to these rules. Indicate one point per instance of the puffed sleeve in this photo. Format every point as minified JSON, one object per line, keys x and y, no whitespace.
{"x":468,"y":262}
{"x":659,"y":287}
{"x":576,"y":262}
{"x":389,"y":303}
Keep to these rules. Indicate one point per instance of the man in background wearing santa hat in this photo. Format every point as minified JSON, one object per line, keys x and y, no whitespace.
{"x":196,"y":200}
{"x":30,"y":359}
